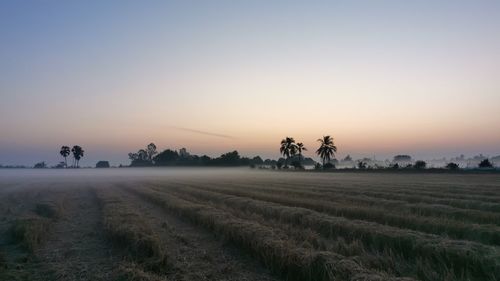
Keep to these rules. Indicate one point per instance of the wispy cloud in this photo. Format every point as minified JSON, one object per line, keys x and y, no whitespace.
{"x":203,"y":132}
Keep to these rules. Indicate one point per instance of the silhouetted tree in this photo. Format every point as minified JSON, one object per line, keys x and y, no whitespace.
{"x":151,"y":152}
{"x":420,"y":164}
{"x":300,"y":148}
{"x":362,"y":165}
{"x":326,"y":149}
{"x":77,"y":154}
{"x":65,"y":152}
{"x":287,"y":148}
{"x":452,"y":166}
{"x":485,"y":164}
{"x":40,"y":165}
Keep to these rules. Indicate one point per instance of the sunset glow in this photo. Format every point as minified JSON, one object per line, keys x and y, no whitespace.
{"x":381,"y":77}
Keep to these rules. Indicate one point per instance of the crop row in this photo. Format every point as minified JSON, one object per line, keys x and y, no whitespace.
{"x":466,"y":258}
{"x":274,"y":248}
{"x":487,"y":234}
{"x":125,"y":228}
{"x":399,"y":206}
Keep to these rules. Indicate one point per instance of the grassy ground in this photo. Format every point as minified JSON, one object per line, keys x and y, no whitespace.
{"x":251,"y":225}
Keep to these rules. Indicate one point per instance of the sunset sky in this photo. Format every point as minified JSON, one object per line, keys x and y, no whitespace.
{"x":381,"y":77}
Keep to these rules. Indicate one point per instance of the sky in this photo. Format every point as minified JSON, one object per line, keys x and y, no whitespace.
{"x":381,"y":77}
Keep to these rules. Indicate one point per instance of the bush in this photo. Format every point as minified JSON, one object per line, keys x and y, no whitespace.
{"x":485,"y":164}
{"x":452,"y":166}
{"x":297,"y":165}
{"x":328,"y":166}
{"x":420,"y":164}
{"x":102,"y":164}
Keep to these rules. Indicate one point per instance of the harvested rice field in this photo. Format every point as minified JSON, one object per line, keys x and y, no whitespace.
{"x":239,"y":224}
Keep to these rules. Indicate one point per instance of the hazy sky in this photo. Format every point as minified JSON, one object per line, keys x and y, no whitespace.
{"x":382,"y":77}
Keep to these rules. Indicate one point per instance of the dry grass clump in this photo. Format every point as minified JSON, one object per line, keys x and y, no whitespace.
{"x":30,"y":232}
{"x":464,"y":258}
{"x":273,"y":247}
{"x":127,"y":230}
{"x":51,"y":210}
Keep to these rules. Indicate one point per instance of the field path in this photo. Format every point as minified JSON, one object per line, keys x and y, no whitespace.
{"x":76,"y":248}
{"x":197,"y":253}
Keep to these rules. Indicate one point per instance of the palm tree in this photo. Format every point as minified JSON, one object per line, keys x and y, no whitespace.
{"x":65,"y":152}
{"x":327,"y":149}
{"x":77,"y":154}
{"x":300,"y":148}
{"x":287,"y":148}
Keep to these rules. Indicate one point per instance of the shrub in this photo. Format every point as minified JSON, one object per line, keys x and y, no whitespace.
{"x":485,"y":164}
{"x":420,"y":164}
{"x":29,"y":232}
{"x":328,"y":166}
{"x":452,"y":166}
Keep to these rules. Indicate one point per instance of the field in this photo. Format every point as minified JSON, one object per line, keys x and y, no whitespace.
{"x":238,"y":224}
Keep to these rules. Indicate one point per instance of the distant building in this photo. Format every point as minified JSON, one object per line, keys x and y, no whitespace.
{"x":102,"y":164}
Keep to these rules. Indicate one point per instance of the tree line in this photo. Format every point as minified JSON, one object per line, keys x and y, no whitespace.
{"x":149,"y":156}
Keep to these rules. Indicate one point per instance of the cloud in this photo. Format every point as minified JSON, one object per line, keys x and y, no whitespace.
{"x":203,"y":132}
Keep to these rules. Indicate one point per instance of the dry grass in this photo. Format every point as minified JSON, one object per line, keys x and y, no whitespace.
{"x":443,"y":256}
{"x":30,"y":232}
{"x":275,"y":249}
{"x":126,"y":229}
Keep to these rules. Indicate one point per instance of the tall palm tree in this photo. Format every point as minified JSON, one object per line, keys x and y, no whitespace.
{"x":77,"y":154}
{"x":300,"y":148}
{"x":327,"y":149}
{"x":65,"y":152}
{"x":288,"y":148}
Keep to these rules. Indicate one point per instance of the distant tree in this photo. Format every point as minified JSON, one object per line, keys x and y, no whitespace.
{"x":326,"y":149}
{"x":77,"y":154}
{"x":166,"y":158}
{"x":485,"y":164}
{"x":402,"y":158}
{"x":420,"y":164}
{"x":279,"y":164}
{"x":151,"y":152}
{"x":102,"y":164}
{"x":362,"y":165}
{"x":297,"y":165}
{"x":348,"y":158}
{"x":65,"y":152}
{"x":300,"y":148}
{"x":329,"y":166}
{"x":257,"y":160}
{"x":288,"y":148}
{"x":452,"y":166}
{"x":40,"y":165}
{"x":395,"y":166}
{"x":60,"y":165}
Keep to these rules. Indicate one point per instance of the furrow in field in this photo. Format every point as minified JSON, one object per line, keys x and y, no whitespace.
{"x":400,"y":207}
{"x":127,"y":230}
{"x":487,"y":234}
{"x":76,"y":249}
{"x":192,"y":252}
{"x":273,"y":247}
{"x":433,"y":189}
{"x":468,"y":258}
{"x":389,"y":262}
{"x":378,"y":192}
